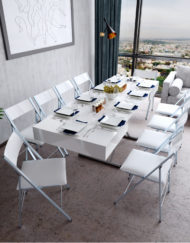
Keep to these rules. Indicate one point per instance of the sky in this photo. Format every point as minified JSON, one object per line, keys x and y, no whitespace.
{"x":161,"y":19}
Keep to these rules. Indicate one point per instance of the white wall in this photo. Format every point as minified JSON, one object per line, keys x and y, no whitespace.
{"x":24,"y":77}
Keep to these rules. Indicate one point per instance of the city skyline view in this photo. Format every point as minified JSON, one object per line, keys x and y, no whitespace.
{"x":163,"y":20}
{"x":164,"y":32}
{"x":158,"y":47}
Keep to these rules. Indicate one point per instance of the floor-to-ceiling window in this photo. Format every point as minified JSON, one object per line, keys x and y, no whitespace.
{"x":128,"y":15}
{"x":154,"y":35}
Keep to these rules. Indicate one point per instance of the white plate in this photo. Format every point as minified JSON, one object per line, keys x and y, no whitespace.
{"x":125,"y":105}
{"x":74,"y":126}
{"x":85,"y":97}
{"x":111,"y":121}
{"x":137,"y":93}
{"x":66,"y":111}
{"x":114,"y":80}
{"x":145,"y":84}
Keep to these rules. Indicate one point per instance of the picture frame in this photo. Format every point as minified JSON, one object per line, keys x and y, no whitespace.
{"x":30,"y":26}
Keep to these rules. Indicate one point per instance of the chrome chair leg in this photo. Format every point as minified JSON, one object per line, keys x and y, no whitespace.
{"x":176,"y":155}
{"x":125,"y":192}
{"x":26,"y":154}
{"x":175,"y":159}
{"x":152,"y":109}
{"x":20,"y":204}
{"x":160,"y":197}
{"x":66,"y":152}
{"x":148,"y":109}
{"x":169,"y":182}
{"x":63,"y":152}
{"x":61,"y":197}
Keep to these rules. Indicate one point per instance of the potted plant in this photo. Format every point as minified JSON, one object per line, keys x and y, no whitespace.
{"x":1,"y":113}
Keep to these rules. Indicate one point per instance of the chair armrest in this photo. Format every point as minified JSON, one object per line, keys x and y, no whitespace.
{"x":167,"y":82}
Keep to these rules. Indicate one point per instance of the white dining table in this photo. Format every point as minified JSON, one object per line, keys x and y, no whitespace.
{"x":94,"y":141}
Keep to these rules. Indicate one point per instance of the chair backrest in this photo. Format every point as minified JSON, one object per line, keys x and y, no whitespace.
{"x":45,"y":98}
{"x":12,"y":148}
{"x":173,"y":140}
{"x":83,"y":82}
{"x":187,"y":100}
{"x":180,"y":123}
{"x":180,"y":120}
{"x":176,"y":141}
{"x":18,"y":110}
{"x":147,"y":74}
{"x":11,"y":154}
{"x":66,"y":91}
{"x":184,"y":105}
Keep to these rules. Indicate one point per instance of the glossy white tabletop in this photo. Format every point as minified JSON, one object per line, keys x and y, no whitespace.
{"x":94,"y":140}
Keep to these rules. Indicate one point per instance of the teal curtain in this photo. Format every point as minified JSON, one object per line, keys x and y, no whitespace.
{"x":106,"y":51}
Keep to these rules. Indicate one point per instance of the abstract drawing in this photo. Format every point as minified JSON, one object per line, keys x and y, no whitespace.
{"x":31,"y":26}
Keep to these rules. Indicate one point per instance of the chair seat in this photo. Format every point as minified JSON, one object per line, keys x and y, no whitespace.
{"x":29,"y":135}
{"x":168,"y":109}
{"x":44,"y":173}
{"x":141,"y":163}
{"x":153,"y":139}
{"x":162,"y":122}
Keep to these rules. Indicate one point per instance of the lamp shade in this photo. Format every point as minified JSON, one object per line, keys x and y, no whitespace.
{"x":111,"y":35}
{"x":111,"y":32}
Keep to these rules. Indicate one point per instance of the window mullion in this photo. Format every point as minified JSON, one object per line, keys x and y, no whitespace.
{"x":136,"y":33}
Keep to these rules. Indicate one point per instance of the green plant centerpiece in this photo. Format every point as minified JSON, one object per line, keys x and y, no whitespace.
{"x":112,"y":90}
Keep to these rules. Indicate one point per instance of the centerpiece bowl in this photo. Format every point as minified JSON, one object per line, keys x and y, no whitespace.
{"x":112,"y":90}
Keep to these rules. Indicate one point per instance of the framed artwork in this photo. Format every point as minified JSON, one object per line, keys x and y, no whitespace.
{"x":32,"y":26}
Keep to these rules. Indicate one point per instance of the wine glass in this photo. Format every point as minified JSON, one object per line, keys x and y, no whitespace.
{"x":115,"y":91}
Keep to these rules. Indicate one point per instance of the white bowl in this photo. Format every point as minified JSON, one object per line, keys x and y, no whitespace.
{"x":111,"y":96}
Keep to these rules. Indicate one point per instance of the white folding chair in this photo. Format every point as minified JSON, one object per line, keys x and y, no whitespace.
{"x":16,"y":113}
{"x":44,"y":100}
{"x":160,"y":122}
{"x":152,"y":167}
{"x":37,"y":173}
{"x":152,"y":140}
{"x":172,"y":109}
{"x":147,"y":74}
{"x":82,"y":83}
{"x":65,"y":93}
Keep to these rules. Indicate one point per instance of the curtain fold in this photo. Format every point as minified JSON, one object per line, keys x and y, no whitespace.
{"x":106,"y":51}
